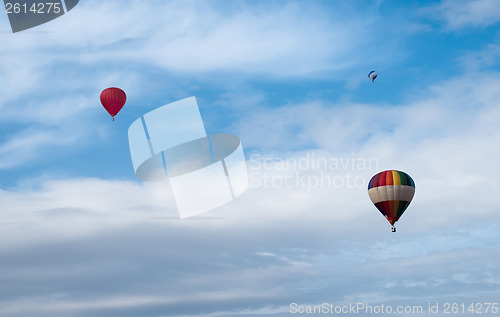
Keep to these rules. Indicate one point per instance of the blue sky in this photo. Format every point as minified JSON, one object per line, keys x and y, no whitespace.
{"x":80,"y":235}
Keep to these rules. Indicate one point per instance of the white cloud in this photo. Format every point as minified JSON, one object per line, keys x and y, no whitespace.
{"x":53,"y":77}
{"x":271,"y":39}
{"x":276,"y":39}
{"x":466,"y":13}
{"x":26,"y":145}
{"x":114,"y":248}
{"x":80,"y":247}
{"x":93,"y":248}
{"x":444,"y":137}
{"x":297,"y":242}
{"x":454,"y":131}
{"x":481,"y":60}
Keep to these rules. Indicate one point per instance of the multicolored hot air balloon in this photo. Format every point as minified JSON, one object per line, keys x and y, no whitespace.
{"x":372,"y":75}
{"x":391,"y":192}
{"x":113,"y":99}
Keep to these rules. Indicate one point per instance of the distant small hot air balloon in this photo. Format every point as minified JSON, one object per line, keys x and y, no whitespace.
{"x":113,"y":99}
{"x":372,"y":75}
{"x":391,"y":192}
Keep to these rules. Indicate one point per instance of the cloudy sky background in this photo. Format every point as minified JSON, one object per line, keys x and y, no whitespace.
{"x":81,"y":236}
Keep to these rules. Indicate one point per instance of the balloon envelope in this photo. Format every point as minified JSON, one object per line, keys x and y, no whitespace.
{"x":372,"y":75}
{"x":113,"y":99}
{"x":391,"y":192}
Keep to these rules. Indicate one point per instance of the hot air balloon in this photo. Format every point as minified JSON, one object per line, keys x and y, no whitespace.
{"x":372,"y":75}
{"x":391,"y":192}
{"x":113,"y":99}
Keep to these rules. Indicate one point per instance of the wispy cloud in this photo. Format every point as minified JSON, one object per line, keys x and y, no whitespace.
{"x":466,"y":13}
{"x":91,"y":246}
{"x":297,"y":243}
{"x":482,"y":60}
{"x":56,"y":77}
{"x":265,"y":38}
{"x":95,"y":247}
{"x":26,"y":145}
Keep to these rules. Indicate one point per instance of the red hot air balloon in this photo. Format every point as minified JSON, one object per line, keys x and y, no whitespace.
{"x":113,"y":99}
{"x":391,"y":192}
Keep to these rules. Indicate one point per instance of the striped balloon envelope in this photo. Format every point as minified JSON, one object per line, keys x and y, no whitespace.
{"x":372,"y":75}
{"x":391,"y":192}
{"x":113,"y":99}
